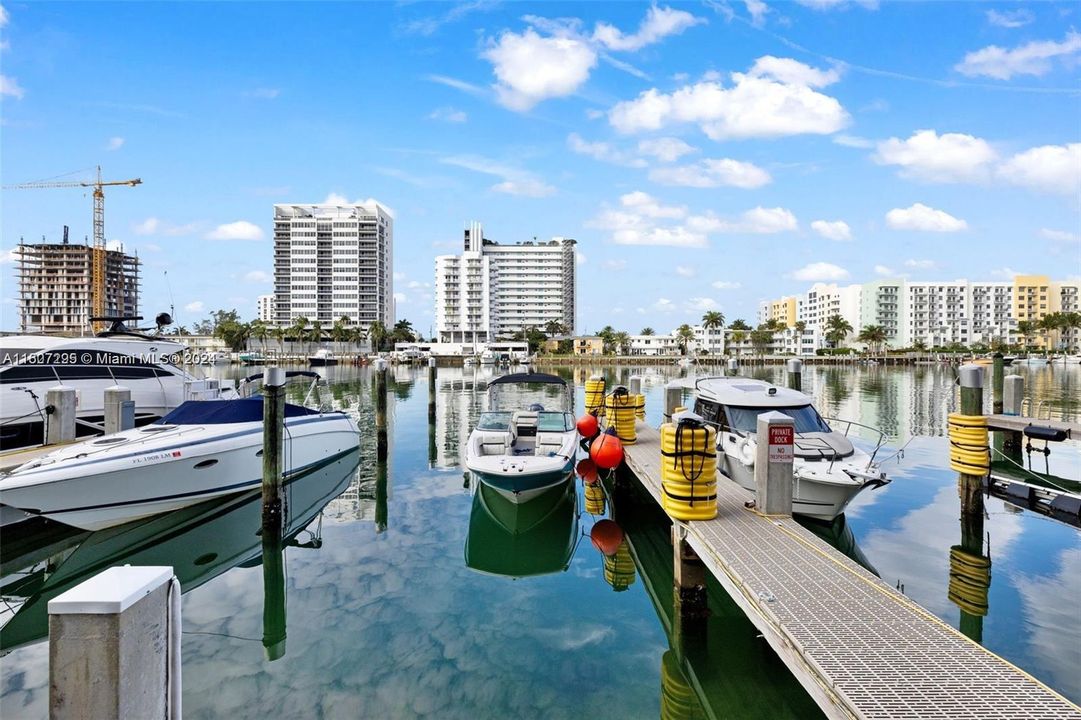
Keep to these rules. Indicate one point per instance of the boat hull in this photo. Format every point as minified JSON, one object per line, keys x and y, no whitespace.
{"x":521,"y":487}
{"x":170,"y":472}
{"x":811,"y":498}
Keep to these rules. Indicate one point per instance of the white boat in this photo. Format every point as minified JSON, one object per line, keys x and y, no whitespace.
{"x":521,"y":452}
{"x":685,"y":362}
{"x":201,"y":450}
{"x":322,"y":358}
{"x":469,"y":360}
{"x":32,"y":364}
{"x":1032,"y":361}
{"x":215,"y":358}
{"x":488,"y":358}
{"x":828,"y":470}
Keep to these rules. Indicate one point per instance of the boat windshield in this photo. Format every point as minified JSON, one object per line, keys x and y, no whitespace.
{"x":555,"y":422}
{"x":746,"y":418}
{"x":494,"y":421}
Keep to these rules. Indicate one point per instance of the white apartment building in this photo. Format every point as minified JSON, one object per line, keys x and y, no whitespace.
{"x":823,"y":301}
{"x":264,"y":308}
{"x":652,"y":345}
{"x":492,"y":291}
{"x":882,"y":304}
{"x":334,"y":261}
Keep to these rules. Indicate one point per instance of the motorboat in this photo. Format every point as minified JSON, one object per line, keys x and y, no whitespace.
{"x":214,"y":358}
{"x":685,"y":362}
{"x":469,"y":360}
{"x":322,"y":358}
{"x":523,"y":539}
{"x":199,"y":542}
{"x":30,"y":365}
{"x":520,"y":452}
{"x":488,"y":358}
{"x":200,"y":450}
{"x":828,"y":469}
{"x":1032,"y":361}
{"x":254,"y":357}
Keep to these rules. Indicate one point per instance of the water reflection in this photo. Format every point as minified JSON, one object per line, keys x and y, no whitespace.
{"x":200,"y":542}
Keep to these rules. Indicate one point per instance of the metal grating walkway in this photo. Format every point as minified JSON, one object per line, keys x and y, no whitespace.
{"x":859,"y":647}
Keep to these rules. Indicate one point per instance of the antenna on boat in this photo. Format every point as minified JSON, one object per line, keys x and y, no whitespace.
{"x":169,"y":287}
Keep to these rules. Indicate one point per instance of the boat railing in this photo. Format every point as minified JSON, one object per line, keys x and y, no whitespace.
{"x":849,"y":424}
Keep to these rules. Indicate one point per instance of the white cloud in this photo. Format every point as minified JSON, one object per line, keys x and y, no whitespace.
{"x":710,"y":173}
{"x":1050,"y":168}
{"x":832,"y":229}
{"x":757,"y":9}
{"x":530,"y":68}
{"x":9,"y":256}
{"x":580,"y":258}
{"x":115,"y":143}
{"x":263,"y":93}
{"x":825,"y":5}
{"x":515,"y":180}
{"x":594,"y":114}
{"x":525,"y":188}
{"x":921,"y":264}
{"x":647,"y":205}
{"x":462,"y":85}
{"x":820,"y":272}
{"x":258,"y":276}
{"x":1033,"y":58}
{"x":665,"y":149}
{"x":399,"y":297}
{"x":1060,"y":236}
{"x":883,"y":271}
{"x":239,"y":230}
{"x":853,"y":141}
{"x":156,"y":226}
{"x":701,"y":304}
{"x":726,"y":284}
{"x":792,"y":72}
{"x":762,"y":105}
{"x":614,"y":265}
{"x":664,"y":305}
{"x":115,"y":245}
{"x":947,"y":158}
{"x":922,"y":218}
{"x":448,"y":114}
{"x":659,"y":23}
{"x":10,"y":86}
{"x":1006,"y":273}
{"x":1010,"y":18}
{"x":194,"y":307}
{"x":150,"y":247}
{"x":399,"y":276}
{"x":4,"y":17}
{"x":685,"y":271}
{"x":756,"y":221}
{"x":602,"y":151}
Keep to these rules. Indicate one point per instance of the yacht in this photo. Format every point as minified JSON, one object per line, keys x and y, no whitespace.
{"x":201,"y":450}
{"x":488,"y":358}
{"x":521,"y":452}
{"x":32,"y":364}
{"x":828,"y":470}
{"x":322,"y":358}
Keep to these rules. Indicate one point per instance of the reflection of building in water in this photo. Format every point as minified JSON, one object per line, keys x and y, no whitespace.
{"x":460,"y":399}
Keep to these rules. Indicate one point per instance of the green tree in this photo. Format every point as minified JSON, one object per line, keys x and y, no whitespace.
{"x":684,"y":335}
{"x":1027,"y":330}
{"x":837,"y":329}
{"x":402,"y":332}
{"x":919,"y":345}
{"x":607,"y":335}
{"x":554,"y":328}
{"x":622,"y":342}
{"x":801,"y":327}
{"x":761,"y":337}
{"x":260,"y":330}
{"x":340,"y":331}
{"x":299,"y":331}
{"x":739,"y":324}
{"x":647,"y":330}
{"x":533,"y":337}
{"x":713,"y":320}
{"x":278,"y":334}
{"x":873,"y":336}
{"x":316,"y":333}
{"x":229,"y":329}
{"x":377,"y":334}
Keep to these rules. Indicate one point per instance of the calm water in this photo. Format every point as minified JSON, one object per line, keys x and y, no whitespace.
{"x":409,"y":593}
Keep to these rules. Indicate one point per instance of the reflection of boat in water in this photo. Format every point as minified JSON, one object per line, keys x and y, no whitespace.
{"x":838,"y":534}
{"x":522,"y":539}
{"x":200,"y":542}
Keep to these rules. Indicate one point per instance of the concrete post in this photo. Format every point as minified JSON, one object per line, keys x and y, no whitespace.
{"x":673,"y":398}
{"x":119,"y":410}
{"x":795,"y":373}
{"x":971,"y":486}
{"x":1013,"y":395}
{"x":733,"y":366}
{"x":431,"y":390}
{"x":773,"y":463}
{"x":113,"y":651}
{"x":634,"y":385}
{"x":273,"y":440}
{"x":997,"y":368}
{"x":689,"y":578}
{"x":381,"y":444}
{"x":60,"y":421}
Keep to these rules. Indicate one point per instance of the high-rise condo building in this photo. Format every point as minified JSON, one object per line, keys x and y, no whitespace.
{"x":492,"y":291}
{"x":264,"y":308}
{"x":333,"y":262}
{"x":55,"y":288}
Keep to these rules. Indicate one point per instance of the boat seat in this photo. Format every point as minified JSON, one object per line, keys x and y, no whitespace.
{"x":549,"y":443}
{"x":493,"y":443}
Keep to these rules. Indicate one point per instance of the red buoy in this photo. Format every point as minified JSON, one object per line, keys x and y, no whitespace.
{"x":587,"y":470}
{"x":607,"y":450}
{"x":606,"y":536}
{"x":587,"y":426}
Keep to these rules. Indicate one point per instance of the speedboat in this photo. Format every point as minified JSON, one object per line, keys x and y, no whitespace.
{"x":253,"y":358}
{"x":322,"y":358}
{"x":520,"y":452}
{"x":828,"y":470}
{"x":201,"y":450}
{"x":32,"y":364}
{"x":488,"y":358}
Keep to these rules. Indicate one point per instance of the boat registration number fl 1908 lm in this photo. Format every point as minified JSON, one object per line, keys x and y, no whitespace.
{"x":781,"y":438}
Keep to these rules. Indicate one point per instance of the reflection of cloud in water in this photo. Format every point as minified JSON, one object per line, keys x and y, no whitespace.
{"x":915,"y":549}
{"x":1052,"y":619}
{"x":25,"y":687}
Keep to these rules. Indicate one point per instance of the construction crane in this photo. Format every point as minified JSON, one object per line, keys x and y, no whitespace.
{"x":97,"y":274}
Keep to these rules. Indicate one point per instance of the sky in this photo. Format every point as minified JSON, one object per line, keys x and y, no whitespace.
{"x":706,"y":156}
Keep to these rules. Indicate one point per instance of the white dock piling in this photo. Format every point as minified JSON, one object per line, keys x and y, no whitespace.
{"x":773,"y":463}
{"x":114,"y":650}
{"x":1013,"y":393}
{"x":673,"y":398}
{"x":119,"y":409}
{"x":60,"y":425}
{"x":733,"y":367}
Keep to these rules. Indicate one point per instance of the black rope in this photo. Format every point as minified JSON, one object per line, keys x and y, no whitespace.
{"x":693,"y":426}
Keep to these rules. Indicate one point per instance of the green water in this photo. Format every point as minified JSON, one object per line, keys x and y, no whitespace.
{"x":410,"y":593}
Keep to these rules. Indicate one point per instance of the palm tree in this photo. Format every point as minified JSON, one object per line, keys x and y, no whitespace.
{"x":1050,"y":323}
{"x":1071,"y":321}
{"x":278,"y":334}
{"x":684,"y":335}
{"x":622,"y":341}
{"x":647,"y":331}
{"x":919,"y":345}
{"x":761,"y":338}
{"x":377,"y":333}
{"x":801,"y":326}
{"x":738,"y":336}
{"x":317,"y":333}
{"x":837,"y":329}
{"x":356,"y":336}
{"x":739,"y":324}
{"x":299,"y":328}
{"x":607,"y":335}
{"x":1026,"y":329}
{"x":873,"y":336}
{"x":340,"y":331}
{"x":553,"y":328}
{"x":259,"y":329}
{"x":713,"y":320}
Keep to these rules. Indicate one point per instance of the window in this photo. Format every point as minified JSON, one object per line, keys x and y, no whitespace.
{"x":807,"y":418}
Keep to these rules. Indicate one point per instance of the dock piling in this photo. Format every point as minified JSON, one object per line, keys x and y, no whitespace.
{"x":431,"y":390}
{"x":997,"y":369}
{"x":60,"y":412}
{"x":733,"y":367}
{"x":673,"y":398}
{"x":274,"y":634}
{"x":773,"y":462}
{"x":119,"y":409}
{"x":114,"y":648}
{"x":381,"y":444}
{"x":970,"y":486}
{"x":273,"y":439}
{"x":690,"y":578}
{"x":795,"y":373}
{"x":634,"y":385}
{"x":1013,"y":395}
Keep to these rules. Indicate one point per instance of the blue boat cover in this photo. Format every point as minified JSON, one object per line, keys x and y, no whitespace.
{"x":218,"y":412}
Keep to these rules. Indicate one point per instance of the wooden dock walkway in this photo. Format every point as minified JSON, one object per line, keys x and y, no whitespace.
{"x":858,"y":646}
{"x":1018,"y":423}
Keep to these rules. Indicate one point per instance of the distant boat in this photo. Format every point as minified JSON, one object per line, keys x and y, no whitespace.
{"x":488,"y":358}
{"x":253,"y":358}
{"x":322,"y":358}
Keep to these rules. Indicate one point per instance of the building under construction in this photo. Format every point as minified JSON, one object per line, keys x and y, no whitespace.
{"x":56,"y":286}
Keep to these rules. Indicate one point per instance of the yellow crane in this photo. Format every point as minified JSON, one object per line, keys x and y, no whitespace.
{"x":97,"y":274}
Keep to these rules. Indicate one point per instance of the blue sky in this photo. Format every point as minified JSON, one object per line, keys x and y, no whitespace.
{"x":705,"y":155}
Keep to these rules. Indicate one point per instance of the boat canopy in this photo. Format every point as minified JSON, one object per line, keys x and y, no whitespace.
{"x":220,"y":412}
{"x":524,"y":378}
